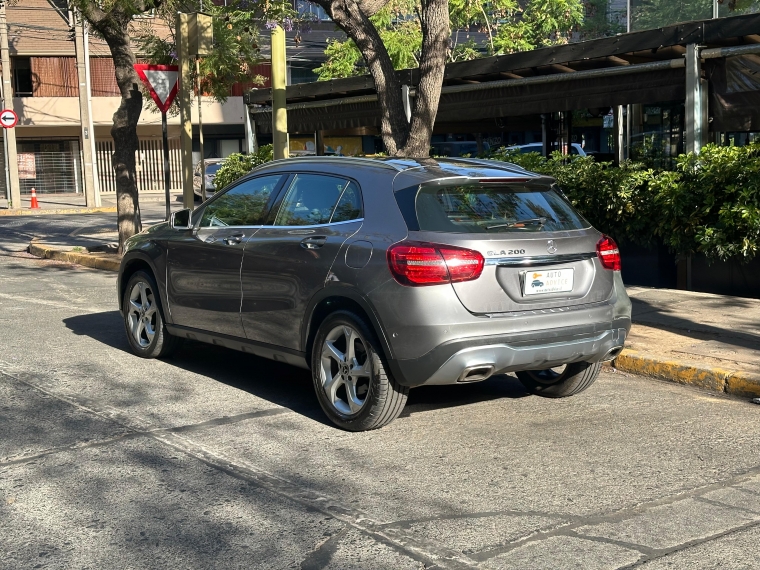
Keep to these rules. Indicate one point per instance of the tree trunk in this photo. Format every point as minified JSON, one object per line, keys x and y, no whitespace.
{"x":124,"y":134}
{"x":113,"y":27}
{"x":351,"y":19}
{"x":435,"y":42}
{"x":400,"y":138}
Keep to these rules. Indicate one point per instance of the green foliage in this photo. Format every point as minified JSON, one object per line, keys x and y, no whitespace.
{"x":709,"y":204}
{"x":237,"y":165}
{"x":236,"y":44}
{"x":540,"y":23}
{"x":713,"y":204}
{"x":401,"y":37}
{"x":465,"y":51}
{"x":342,"y":60}
{"x":510,"y":25}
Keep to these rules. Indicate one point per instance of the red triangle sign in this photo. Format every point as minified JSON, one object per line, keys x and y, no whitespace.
{"x":161,"y":81}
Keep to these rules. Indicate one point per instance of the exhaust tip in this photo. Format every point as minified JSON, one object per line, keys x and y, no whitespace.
{"x":612,"y":354}
{"x":476,"y":373}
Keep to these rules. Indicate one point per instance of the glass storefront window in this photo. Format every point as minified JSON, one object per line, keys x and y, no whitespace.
{"x":657,"y":134}
{"x":649,"y":14}
{"x":738,"y":8}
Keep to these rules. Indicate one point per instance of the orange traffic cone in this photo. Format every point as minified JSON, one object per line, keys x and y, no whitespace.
{"x":35,"y":205}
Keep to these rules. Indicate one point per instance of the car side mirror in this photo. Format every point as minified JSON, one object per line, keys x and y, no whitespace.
{"x":180,"y":220}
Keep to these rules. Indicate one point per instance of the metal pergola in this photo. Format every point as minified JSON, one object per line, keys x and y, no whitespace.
{"x":682,"y":62}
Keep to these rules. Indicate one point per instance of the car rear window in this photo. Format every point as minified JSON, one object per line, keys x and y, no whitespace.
{"x":493,"y":209}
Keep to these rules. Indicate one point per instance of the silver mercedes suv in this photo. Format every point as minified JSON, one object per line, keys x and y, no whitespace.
{"x":380,"y":275}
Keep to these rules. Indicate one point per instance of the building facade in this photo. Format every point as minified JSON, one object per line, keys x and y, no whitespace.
{"x":51,"y":132}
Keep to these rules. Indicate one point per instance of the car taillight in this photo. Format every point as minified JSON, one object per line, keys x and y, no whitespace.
{"x":418,"y":264}
{"x":608,"y":253}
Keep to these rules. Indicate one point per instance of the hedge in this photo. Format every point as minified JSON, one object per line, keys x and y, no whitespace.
{"x":709,"y":204}
{"x":237,"y":165}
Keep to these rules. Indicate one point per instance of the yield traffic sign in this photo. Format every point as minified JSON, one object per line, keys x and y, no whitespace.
{"x":161,"y":81}
{"x":8,"y":118}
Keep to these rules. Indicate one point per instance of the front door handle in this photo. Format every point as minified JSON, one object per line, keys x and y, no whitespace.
{"x":234,"y":239}
{"x":313,"y":242}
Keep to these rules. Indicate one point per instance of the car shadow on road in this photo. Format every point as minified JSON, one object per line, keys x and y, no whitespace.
{"x":293,"y":388}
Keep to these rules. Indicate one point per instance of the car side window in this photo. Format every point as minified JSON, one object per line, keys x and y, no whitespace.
{"x":243,"y":205}
{"x":349,"y":206}
{"x":310,"y":200}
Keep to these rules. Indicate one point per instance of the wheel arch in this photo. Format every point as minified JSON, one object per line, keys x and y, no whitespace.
{"x":131,"y":264}
{"x":330,"y":300}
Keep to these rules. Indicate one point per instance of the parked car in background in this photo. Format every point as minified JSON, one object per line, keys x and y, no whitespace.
{"x":575,"y":148}
{"x":212,"y":167}
{"x":457,"y":148}
{"x":380,"y":275}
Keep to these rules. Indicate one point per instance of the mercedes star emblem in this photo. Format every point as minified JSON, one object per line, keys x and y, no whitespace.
{"x":550,"y":247}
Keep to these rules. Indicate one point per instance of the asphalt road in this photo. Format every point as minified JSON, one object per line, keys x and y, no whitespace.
{"x":217,"y":459}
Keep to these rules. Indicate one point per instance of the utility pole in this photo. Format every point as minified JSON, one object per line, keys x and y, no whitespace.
{"x":88,"y":78}
{"x":92,"y":199}
{"x":185,"y":109}
{"x":195,"y":37}
{"x":9,"y":136}
{"x":251,"y":144}
{"x":200,"y":127}
{"x":279,"y":80}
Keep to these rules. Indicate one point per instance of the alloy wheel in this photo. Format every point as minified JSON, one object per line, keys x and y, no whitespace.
{"x":142,"y":314}
{"x":346,"y":370}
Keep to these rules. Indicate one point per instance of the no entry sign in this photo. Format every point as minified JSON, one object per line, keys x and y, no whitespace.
{"x":8,"y":118}
{"x":161,"y":81}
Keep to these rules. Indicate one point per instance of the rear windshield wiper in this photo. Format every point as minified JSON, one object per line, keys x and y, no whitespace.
{"x":541,"y":222}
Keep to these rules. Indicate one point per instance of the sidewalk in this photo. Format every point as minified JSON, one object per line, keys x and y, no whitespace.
{"x":704,"y":340}
{"x":74,"y":203}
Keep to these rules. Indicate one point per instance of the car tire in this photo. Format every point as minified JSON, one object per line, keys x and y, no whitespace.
{"x":353,"y":385}
{"x":144,"y":320}
{"x":575,"y":378}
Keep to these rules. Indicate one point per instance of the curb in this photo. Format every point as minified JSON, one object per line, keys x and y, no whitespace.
{"x":41,"y":212}
{"x":733,"y":382}
{"x":92,"y":260}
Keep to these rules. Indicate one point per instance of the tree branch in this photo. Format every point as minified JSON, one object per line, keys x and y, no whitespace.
{"x":371,"y":7}
{"x":91,"y":12}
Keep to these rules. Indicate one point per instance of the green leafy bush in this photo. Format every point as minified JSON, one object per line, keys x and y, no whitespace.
{"x":714,"y":205}
{"x":238,"y":165}
{"x":710,"y":204}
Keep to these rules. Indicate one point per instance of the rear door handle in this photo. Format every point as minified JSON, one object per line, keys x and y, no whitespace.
{"x":313,"y":242}
{"x":234,"y":239}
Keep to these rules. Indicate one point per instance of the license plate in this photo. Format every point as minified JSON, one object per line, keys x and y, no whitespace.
{"x":554,"y":281}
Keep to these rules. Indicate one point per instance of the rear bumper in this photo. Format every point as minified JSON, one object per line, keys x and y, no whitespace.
{"x":434,"y":340}
{"x":484,"y":356}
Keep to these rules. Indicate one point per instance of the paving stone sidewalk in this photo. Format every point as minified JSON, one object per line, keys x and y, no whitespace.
{"x":706,"y":340}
